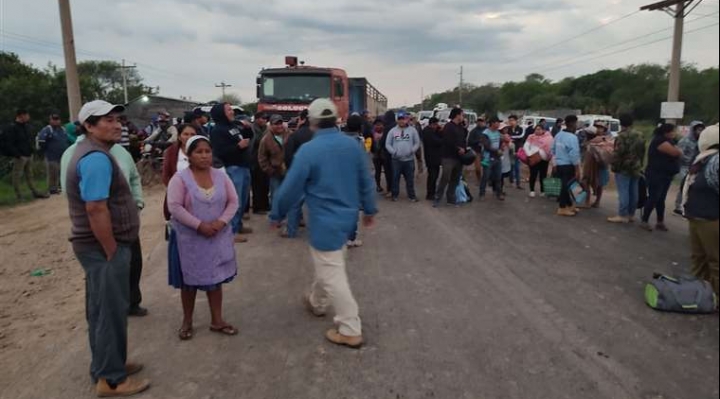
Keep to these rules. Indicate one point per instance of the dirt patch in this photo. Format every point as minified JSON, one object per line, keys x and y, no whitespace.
{"x":36,"y":311}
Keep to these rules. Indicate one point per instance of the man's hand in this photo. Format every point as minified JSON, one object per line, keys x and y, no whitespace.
{"x":461,"y":151}
{"x":578,"y":175}
{"x":369,"y":221}
{"x":111,"y":251}
{"x":206,"y":230}
{"x":244,"y":143}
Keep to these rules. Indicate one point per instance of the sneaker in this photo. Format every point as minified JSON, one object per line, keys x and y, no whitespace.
{"x":355,"y":244}
{"x":246,"y":217}
{"x":646,"y":226}
{"x":246,"y":230}
{"x":129,"y":387}
{"x":240,"y":239}
{"x":519,"y":187}
{"x":380,"y":190}
{"x":618,"y":220}
{"x":394,"y":199}
{"x":679,"y":212}
{"x":436,"y":204}
{"x":533,"y":194}
{"x":414,"y":200}
{"x":662,"y":227}
{"x":501,"y":197}
{"x":336,"y":338}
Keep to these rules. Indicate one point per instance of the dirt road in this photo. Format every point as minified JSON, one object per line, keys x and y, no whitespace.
{"x":489,"y":301}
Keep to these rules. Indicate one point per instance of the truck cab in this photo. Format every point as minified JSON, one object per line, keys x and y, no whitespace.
{"x":288,"y":91}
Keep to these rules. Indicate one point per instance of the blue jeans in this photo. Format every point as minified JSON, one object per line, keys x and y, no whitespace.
{"x":515,"y":177}
{"x":629,"y":194}
{"x":275,"y":183}
{"x":491,"y":174}
{"x":240,"y":176}
{"x":406,"y":169}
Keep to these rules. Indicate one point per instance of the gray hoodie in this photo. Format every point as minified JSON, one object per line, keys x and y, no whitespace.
{"x":403,"y":143}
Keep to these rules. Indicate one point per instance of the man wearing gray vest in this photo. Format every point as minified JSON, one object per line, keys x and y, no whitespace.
{"x":105,"y":222}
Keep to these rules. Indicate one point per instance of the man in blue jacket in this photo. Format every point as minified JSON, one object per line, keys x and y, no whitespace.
{"x":333,"y":174}
{"x":53,"y":141}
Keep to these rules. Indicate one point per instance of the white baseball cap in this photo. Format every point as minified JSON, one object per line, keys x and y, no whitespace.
{"x":98,"y":108}
{"x":322,"y":108}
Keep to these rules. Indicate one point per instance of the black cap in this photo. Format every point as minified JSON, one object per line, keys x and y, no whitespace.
{"x":354,"y":123}
{"x":433,"y":120}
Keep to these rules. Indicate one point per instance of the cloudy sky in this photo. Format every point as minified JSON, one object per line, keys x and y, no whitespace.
{"x":403,"y":47}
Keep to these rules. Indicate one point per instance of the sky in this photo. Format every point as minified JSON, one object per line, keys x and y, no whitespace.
{"x":404,"y":48}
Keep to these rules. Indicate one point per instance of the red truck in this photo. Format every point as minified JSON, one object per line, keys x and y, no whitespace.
{"x":290,"y":90}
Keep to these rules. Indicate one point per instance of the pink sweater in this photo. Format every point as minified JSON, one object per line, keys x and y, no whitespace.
{"x":179,"y":202}
{"x":543,"y":142}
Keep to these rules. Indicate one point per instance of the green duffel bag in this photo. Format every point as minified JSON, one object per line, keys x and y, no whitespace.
{"x":681,"y":295}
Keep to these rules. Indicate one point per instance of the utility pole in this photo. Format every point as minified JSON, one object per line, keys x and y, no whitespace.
{"x":124,"y":68}
{"x":682,"y":8}
{"x":224,"y":87}
{"x":71,"y":72}
{"x":462,"y":83}
{"x":422,"y":99}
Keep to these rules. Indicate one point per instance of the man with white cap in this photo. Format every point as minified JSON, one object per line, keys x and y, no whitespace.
{"x":333,"y":174}
{"x":105,"y":223}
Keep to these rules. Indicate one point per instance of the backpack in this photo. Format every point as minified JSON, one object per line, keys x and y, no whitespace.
{"x":686,"y":294}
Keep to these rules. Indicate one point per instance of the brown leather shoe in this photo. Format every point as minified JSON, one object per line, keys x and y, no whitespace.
{"x":336,"y":338}
{"x":133,"y":368}
{"x":566,"y":212}
{"x":246,"y":230}
{"x":129,"y":387}
{"x":240,"y":239}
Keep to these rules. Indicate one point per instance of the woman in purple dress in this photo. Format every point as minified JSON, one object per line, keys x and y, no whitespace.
{"x":202,"y":201}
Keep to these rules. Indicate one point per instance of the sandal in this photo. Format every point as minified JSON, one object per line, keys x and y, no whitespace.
{"x":185,"y":334}
{"x":225,"y":330}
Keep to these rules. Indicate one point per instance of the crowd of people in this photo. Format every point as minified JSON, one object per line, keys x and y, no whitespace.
{"x":219,"y":167}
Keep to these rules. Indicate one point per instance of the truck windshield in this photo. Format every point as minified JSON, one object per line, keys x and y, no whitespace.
{"x":303,"y":88}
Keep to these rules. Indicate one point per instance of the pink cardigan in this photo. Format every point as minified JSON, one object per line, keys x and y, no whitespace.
{"x":544,"y":142}
{"x":179,"y":202}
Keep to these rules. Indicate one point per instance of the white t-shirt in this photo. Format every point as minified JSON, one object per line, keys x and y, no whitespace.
{"x":183,"y":162}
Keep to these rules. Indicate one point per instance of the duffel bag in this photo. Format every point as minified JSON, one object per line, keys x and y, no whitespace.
{"x":681,"y":295}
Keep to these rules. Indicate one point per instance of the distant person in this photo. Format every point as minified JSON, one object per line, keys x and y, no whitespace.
{"x":433,"y":145}
{"x":492,"y":159}
{"x":566,"y":150}
{"x":508,"y":159}
{"x":296,"y":140}
{"x":203,"y":201}
{"x":475,"y":142}
{"x":71,"y":129}
{"x":402,"y":143}
{"x":663,"y":165}
{"x":233,"y":149}
{"x":175,"y":159}
{"x":271,"y":154}
{"x":690,"y":149}
{"x":125,"y":138}
{"x":540,"y":142}
{"x":333,"y":173}
{"x":413,"y":122}
{"x":390,"y":122}
{"x":596,"y":162}
{"x":557,"y":128}
{"x":454,"y":146}
{"x":105,"y":224}
{"x":354,"y":131}
{"x":198,"y":118}
{"x":53,"y":141}
{"x":260,"y":181}
{"x":19,"y":146}
{"x":164,"y":135}
{"x":377,"y":154}
{"x":517,"y":133}
{"x":701,"y":202}
{"x":627,"y":165}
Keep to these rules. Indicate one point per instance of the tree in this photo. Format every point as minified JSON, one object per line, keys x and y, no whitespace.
{"x":231,"y":98}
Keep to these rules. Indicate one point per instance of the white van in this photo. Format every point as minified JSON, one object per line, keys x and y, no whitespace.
{"x":533,"y":120}
{"x":444,"y":117}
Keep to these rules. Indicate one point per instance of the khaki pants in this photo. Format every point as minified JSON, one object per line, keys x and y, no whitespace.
{"x":704,"y":239}
{"x":22,"y":166}
{"x":331,"y":288}
{"x":53,"y":176}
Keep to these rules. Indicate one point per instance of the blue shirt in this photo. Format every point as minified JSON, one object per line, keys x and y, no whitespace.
{"x":566,"y":149}
{"x":333,"y":173}
{"x":495,"y":139}
{"x":95,"y":174}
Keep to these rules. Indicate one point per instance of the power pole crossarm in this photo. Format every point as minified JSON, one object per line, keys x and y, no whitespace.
{"x":224,"y":87}
{"x":124,"y":68}
{"x":71,"y":71}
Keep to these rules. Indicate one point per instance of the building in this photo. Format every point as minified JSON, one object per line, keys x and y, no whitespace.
{"x":141,"y":110}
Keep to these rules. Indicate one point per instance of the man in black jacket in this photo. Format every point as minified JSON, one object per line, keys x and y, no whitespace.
{"x":433,"y":144}
{"x":19,"y":147}
{"x":232,"y":146}
{"x":297,"y":139}
{"x":390,"y":123}
{"x":517,"y":133}
{"x":260,"y":180}
{"x":454,"y":146}
{"x":475,"y":142}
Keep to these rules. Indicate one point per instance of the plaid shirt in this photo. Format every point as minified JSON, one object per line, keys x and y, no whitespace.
{"x":629,"y":154}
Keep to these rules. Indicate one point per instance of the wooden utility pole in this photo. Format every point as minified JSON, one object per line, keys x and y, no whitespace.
{"x":462,"y":83}
{"x":124,"y":68}
{"x":71,"y":71}
{"x":682,"y":8}
{"x":224,"y":87}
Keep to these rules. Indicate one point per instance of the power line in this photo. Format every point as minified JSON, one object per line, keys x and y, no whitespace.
{"x":628,"y":41}
{"x":627,"y":49}
{"x":593,"y":30}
